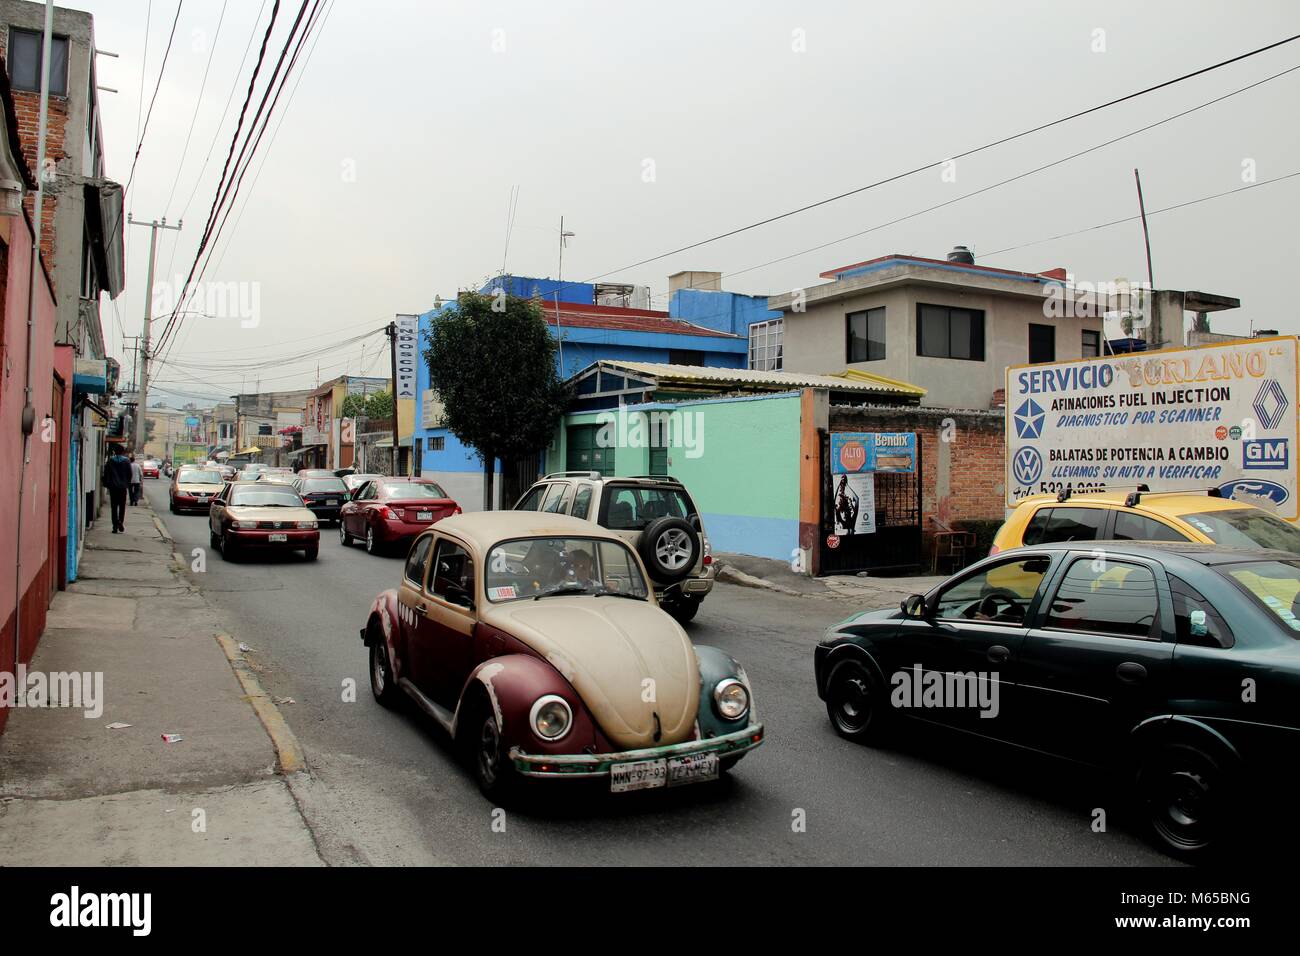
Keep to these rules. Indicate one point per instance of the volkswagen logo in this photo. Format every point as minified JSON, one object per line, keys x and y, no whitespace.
{"x":1027,"y":465}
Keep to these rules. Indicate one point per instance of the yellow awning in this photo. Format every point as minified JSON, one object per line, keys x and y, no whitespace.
{"x":250,"y":450}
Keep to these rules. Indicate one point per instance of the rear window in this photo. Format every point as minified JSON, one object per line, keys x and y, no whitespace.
{"x":324,"y":484}
{"x":1274,"y":584}
{"x":629,"y":508}
{"x":413,"y":489}
{"x":1050,"y":525}
{"x":1246,"y":528}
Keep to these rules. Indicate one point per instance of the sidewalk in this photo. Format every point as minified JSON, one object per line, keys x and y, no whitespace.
{"x":74,"y":792}
{"x":867,"y":593}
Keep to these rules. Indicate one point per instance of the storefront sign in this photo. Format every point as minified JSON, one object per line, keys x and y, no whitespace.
{"x":408,"y":354}
{"x":1217,"y":416}
{"x":856,"y":452}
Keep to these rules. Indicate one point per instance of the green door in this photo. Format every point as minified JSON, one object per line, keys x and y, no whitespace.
{"x":584,"y":454}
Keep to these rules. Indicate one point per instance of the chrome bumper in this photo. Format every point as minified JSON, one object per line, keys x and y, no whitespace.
{"x":597,"y":765}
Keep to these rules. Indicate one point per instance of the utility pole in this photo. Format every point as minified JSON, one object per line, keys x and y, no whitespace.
{"x":392,"y":349}
{"x":143,"y":397}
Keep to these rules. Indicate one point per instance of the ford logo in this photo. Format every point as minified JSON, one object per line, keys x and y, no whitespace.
{"x":1264,"y":494}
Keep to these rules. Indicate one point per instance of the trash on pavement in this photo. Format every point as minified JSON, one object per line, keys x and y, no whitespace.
{"x":285,"y":700}
{"x":244,"y":647}
{"x":118,"y":725}
{"x":172,"y":738}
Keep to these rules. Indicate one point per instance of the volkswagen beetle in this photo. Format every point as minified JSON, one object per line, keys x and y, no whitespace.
{"x":534,"y":640}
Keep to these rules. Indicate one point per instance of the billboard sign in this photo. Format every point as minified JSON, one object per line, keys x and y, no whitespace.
{"x":1215,"y":416}
{"x":407,"y":354}
{"x":857,"y":452}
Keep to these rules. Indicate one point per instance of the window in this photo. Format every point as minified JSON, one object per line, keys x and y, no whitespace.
{"x":685,"y":357}
{"x":866,"y":335}
{"x":1106,"y":597}
{"x":437,"y":443}
{"x":1091,"y":343}
{"x":453,"y":574}
{"x":765,"y":345}
{"x":558,"y":500}
{"x":1246,"y":528}
{"x":416,"y":561}
{"x":632,"y":509}
{"x":1275,"y":585}
{"x":943,"y":332}
{"x":1042,"y":343}
{"x":1195,"y":619}
{"x":533,"y":500}
{"x":1000,"y":593}
{"x":582,"y":502}
{"x":1131,"y":527}
{"x":1050,"y":525}
{"x":25,"y":47}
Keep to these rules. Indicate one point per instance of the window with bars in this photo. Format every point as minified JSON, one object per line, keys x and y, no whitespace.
{"x":765,"y":345}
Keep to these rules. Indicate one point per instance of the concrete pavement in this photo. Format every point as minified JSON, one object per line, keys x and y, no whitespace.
{"x":75,"y":792}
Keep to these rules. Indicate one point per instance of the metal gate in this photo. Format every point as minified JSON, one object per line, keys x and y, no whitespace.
{"x":517,"y":476}
{"x":896,"y":543}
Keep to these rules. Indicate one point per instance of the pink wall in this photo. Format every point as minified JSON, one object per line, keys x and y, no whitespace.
{"x":37,"y":563}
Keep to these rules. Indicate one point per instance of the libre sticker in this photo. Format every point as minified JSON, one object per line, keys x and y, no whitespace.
{"x":505,"y":593}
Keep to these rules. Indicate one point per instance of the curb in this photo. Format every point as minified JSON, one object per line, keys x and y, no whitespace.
{"x":288,"y":752}
{"x":733,"y":576}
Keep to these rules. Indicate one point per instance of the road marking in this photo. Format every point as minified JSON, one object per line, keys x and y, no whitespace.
{"x":288,"y":751}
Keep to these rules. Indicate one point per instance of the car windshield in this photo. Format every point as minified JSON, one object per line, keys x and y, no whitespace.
{"x":324,"y":484}
{"x":413,"y":489}
{"x":268,"y":496}
{"x":633,"y":507}
{"x":1274,"y":584}
{"x":199,"y":477}
{"x":538,"y":567}
{"x":1246,"y":528}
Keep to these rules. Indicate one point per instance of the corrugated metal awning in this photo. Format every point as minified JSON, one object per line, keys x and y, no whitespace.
{"x":850,"y":380}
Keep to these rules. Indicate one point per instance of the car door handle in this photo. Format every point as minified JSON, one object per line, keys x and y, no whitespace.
{"x":1131,"y":672}
{"x":421,"y":609}
{"x":998,"y":654}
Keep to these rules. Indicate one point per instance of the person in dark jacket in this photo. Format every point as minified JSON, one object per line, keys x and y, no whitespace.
{"x":117,"y":479}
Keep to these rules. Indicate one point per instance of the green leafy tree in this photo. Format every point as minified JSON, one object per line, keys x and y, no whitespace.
{"x":492,"y":362}
{"x":354,"y":405}
{"x":380,"y":405}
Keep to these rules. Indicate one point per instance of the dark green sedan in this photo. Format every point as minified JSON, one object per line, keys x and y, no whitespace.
{"x":1178,"y":663}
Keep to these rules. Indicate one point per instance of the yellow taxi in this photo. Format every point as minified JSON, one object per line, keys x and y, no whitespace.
{"x":1143,"y":515}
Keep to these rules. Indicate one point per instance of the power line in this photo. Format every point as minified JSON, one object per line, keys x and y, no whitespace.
{"x":144,"y":130}
{"x":961,"y":155}
{"x":198,"y":102}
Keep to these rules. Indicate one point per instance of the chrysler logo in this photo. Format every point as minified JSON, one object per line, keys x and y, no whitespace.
{"x":1029,"y":419}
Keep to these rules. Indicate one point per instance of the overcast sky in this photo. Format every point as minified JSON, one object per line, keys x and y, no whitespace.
{"x":650,"y":126}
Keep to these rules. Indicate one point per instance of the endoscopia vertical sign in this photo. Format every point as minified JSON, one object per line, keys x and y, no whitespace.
{"x":1212,"y":417}
{"x":408,"y":354}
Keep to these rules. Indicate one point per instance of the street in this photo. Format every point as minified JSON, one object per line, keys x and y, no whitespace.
{"x":386,"y":789}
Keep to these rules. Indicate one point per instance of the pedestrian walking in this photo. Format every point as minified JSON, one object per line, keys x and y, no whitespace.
{"x":137,"y":479}
{"x":117,"y":479}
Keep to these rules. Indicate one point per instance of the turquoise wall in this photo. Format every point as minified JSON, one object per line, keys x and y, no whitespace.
{"x":738,"y":457}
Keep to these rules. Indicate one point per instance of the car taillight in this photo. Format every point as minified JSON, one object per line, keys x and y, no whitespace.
{"x":385,"y":512}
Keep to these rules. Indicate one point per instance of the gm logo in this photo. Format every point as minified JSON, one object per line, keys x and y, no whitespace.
{"x":1027,"y":466}
{"x":1029,"y":420}
{"x":1270,"y":453}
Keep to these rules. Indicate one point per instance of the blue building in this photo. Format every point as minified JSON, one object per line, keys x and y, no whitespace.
{"x":592,"y":322}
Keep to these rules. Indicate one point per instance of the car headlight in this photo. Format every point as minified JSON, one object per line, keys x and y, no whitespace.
{"x":551,"y":717}
{"x":731,"y":699}
{"x":306,"y":524}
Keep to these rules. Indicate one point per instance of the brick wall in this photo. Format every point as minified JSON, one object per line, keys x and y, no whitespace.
{"x":962,"y":457}
{"x":27,"y":112}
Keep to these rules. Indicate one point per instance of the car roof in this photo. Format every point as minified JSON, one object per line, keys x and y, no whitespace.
{"x":1208,"y":554}
{"x":1170,"y":504}
{"x":485,"y":528}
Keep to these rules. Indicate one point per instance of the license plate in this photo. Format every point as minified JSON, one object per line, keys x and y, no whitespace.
{"x":332,"y":501}
{"x":277,"y":537}
{"x":641,"y":775}
{"x":673,"y":772}
{"x":693,"y":768}
{"x":424,"y":516}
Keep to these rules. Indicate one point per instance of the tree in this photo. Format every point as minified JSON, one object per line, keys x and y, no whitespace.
{"x":354,"y":405}
{"x":492,"y":362}
{"x":380,"y":405}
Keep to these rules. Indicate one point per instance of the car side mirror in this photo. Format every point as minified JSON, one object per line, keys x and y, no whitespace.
{"x":914,"y":606}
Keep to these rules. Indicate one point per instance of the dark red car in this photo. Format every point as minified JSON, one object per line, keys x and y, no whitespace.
{"x":388,"y":512}
{"x":261,"y":516}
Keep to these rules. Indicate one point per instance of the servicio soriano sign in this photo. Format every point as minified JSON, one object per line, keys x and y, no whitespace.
{"x":1215,"y":416}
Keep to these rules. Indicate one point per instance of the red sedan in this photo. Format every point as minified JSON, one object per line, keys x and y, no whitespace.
{"x":388,"y":512}
{"x":149,"y":468}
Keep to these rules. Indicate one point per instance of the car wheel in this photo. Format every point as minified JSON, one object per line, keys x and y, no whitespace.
{"x":171,"y":505}
{"x":372,"y":545}
{"x":1183,"y":794}
{"x":212,"y":539}
{"x":669,"y":547}
{"x":682,"y":609}
{"x":856,"y":703}
{"x":492,"y":767}
{"x":228,"y":551}
{"x":345,"y":539}
{"x":382,"y":683}
{"x":312,"y":553}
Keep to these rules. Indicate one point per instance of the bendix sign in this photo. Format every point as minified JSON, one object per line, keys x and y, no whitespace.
{"x":1216,"y":416}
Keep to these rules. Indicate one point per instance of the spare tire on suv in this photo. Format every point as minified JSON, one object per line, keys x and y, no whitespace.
{"x":669,"y":547}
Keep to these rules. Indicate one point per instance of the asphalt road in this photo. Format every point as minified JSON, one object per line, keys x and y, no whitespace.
{"x":385,"y":787}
